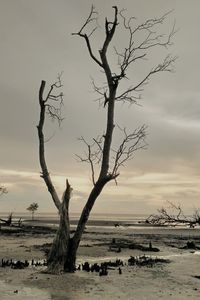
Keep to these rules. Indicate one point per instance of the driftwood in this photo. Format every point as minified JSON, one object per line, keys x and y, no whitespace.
{"x":117,"y":246}
{"x":8,"y":221}
{"x":102,"y":268}
{"x":140,"y":261}
{"x":143,"y":248}
{"x":173,"y":215}
{"x":190,"y":245}
{"x":18,"y":264}
{"x":144,"y":260}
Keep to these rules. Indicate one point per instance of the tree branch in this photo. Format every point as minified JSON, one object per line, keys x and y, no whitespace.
{"x":54,"y":102}
{"x":173,"y":215}
{"x":45,"y":173}
{"x":135,"y":140}
{"x":130,"y":144}
{"x":86,"y":36}
{"x":165,"y":66}
{"x":93,"y":155}
{"x":138,"y":51}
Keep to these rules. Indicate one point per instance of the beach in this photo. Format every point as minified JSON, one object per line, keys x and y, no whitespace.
{"x":177,"y":279}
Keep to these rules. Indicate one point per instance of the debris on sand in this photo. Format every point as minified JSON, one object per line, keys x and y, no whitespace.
{"x":116,"y":246}
{"x":18,"y":264}
{"x":191,"y":245}
{"x":144,"y":260}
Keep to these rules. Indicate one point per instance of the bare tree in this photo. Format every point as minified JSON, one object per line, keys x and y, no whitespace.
{"x":104,"y":161}
{"x":32,"y":208}
{"x":174,"y":215}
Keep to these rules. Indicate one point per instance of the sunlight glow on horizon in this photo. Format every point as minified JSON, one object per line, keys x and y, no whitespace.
{"x":156,"y":188}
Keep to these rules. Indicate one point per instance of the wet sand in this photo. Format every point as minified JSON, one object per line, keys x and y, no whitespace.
{"x":163,"y":281}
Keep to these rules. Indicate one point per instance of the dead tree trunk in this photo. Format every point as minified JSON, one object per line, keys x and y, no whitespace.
{"x":57,"y":256}
{"x":104,"y":176}
{"x":71,"y":256}
{"x":61,"y":244}
{"x":64,"y":249}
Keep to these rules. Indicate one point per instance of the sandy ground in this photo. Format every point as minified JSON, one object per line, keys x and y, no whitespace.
{"x":165,"y":281}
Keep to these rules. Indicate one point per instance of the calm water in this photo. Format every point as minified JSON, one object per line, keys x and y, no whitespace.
{"x":75,"y":216}
{"x":130,"y":223}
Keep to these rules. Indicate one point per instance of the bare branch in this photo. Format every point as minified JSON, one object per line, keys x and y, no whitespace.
{"x":45,"y":173}
{"x":165,"y":66}
{"x":136,"y":51}
{"x":130,"y":144}
{"x":173,"y":215}
{"x":102,"y":91}
{"x":93,"y":155}
{"x":91,"y":18}
{"x":54,"y":113}
{"x":54,"y":102}
{"x":57,"y":84}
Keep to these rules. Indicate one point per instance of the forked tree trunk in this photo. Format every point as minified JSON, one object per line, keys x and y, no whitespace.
{"x":61,"y":244}
{"x":70,"y":262}
{"x":62,"y":256}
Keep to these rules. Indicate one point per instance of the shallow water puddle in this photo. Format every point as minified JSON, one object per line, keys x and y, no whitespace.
{"x":9,"y":292}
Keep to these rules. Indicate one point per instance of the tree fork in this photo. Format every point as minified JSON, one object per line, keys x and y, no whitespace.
{"x":61,"y":244}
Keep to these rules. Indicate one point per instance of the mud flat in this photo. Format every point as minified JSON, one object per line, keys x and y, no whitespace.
{"x":176,"y":280}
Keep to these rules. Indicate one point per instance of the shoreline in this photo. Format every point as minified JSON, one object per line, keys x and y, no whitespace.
{"x":175,"y":280}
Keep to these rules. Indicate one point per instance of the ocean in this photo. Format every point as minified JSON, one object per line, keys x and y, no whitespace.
{"x":127,"y":223}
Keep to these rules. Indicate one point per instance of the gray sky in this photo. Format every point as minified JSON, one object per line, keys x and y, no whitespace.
{"x":36,"y":44}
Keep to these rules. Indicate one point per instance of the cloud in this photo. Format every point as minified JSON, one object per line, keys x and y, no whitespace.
{"x":37,"y":44}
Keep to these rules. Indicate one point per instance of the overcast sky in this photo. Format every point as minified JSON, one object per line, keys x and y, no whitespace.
{"x":36,"y":44}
